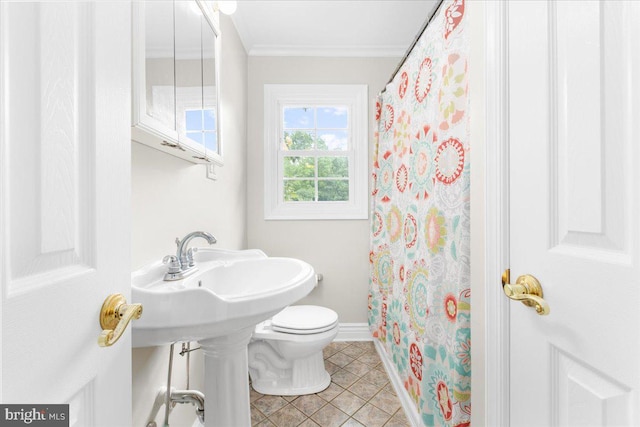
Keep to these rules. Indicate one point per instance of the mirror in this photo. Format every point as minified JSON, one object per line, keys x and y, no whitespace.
{"x":159,"y":63}
{"x":210,"y":90}
{"x":189,"y":72}
{"x":176,"y":79}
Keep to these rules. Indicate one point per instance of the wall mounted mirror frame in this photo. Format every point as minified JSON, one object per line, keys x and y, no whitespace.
{"x":176,"y":79}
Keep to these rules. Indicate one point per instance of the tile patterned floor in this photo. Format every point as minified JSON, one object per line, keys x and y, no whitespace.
{"x":359,"y":395}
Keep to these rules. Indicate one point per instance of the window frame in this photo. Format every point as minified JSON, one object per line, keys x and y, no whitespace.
{"x":279,"y":96}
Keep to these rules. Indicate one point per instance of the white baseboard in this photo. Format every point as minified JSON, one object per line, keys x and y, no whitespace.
{"x":405,"y":400}
{"x":353,"y":332}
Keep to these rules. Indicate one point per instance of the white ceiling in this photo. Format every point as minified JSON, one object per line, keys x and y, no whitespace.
{"x":371,"y":28}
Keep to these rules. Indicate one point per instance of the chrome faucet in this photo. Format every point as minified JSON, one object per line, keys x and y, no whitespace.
{"x":182,"y":263}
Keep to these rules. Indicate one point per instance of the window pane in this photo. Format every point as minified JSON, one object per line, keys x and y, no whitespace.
{"x":330,"y":167}
{"x":299,"y":191}
{"x":211,"y":141}
{"x":195,"y":136}
{"x":333,"y":191}
{"x":333,"y":140}
{"x":193,"y":120}
{"x":298,"y":118}
{"x":298,"y":140}
{"x":209,"y":120}
{"x":336,"y":117}
{"x":299,"y":167}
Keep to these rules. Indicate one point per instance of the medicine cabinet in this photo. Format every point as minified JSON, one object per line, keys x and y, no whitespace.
{"x":176,"y":74}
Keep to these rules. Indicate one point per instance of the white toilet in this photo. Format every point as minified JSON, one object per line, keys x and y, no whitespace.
{"x":285,"y":352}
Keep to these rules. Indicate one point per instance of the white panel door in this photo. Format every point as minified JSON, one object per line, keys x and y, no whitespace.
{"x":574,"y":94}
{"x":65,"y":207}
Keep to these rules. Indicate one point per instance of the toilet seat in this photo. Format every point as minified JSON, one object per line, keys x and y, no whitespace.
{"x":303,"y":331}
{"x":304,"y":320}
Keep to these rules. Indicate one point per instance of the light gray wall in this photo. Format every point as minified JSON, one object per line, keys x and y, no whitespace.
{"x":170,"y":198}
{"x":338,"y":249}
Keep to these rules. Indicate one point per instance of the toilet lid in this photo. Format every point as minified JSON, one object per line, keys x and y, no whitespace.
{"x":304,"y":319}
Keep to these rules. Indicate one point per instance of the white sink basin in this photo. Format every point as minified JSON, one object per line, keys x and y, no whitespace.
{"x":231,"y":291}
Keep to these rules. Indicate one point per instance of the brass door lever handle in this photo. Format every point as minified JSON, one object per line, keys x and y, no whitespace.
{"x":527,"y":290}
{"x":115,"y":316}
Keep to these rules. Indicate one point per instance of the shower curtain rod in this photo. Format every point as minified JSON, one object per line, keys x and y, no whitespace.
{"x":433,"y":12}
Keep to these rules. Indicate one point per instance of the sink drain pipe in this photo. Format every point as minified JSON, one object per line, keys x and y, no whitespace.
{"x":170,"y":396}
{"x":194,"y":397}
{"x":167,"y":401}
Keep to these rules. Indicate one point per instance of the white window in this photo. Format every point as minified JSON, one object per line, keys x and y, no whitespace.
{"x":315,"y":151}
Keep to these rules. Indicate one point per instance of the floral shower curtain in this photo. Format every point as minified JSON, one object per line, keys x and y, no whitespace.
{"x":419,"y":299}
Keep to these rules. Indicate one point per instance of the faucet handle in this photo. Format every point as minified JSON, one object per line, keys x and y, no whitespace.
{"x":190,"y":259}
{"x":178,"y":241}
{"x":172,"y":262}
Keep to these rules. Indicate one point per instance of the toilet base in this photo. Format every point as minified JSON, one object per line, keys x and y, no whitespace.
{"x":303,"y":376}
{"x":285,"y":387}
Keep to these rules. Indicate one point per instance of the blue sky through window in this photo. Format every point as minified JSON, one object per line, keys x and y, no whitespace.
{"x":332,"y":117}
{"x":298,"y":118}
{"x":211,"y":141}
{"x":209,"y":120}
{"x":200,"y":126}
{"x":193,"y":120}
{"x":331,"y":123}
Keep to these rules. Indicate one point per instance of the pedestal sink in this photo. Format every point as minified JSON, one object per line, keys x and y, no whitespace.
{"x":219,"y":306}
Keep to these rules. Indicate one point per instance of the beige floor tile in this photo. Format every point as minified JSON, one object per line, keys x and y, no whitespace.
{"x":329,"y":416}
{"x":386,"y":401}
{"x":340,"y":359}
{"x":348,"y":402}
{"x":371,"y":359}
{"x":341,"y":345}
{"x":380,"y":367}
{"x":376,"y":377}
{"x":365,"y":345}
{"x":358,"y":368}
{"x":336,"y":346}
{"x":353,"y":351}
{"x":328,"y":351}
{"x":254,"y":395}
{"x":331,"y":367}
{"x":269,"y":404}
{"x":389,"y":388}
{"x":398,"y":420}
{"x":289,"y":416}
{"x":352,"y":423}
{"x":265,"y":423}
{"x":289,"y":398}
{"x":330,"y":392}
{"x":309,"y":404}
{"x":372,"y":353}
{"x":308,"y":423}
{"x":364,"y":389}
{"x":256,"y":415}
{"x":344,"y":378}
{"x":371,"y":416}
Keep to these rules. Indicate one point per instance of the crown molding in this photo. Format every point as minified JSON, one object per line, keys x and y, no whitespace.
{"x":328,"y":51}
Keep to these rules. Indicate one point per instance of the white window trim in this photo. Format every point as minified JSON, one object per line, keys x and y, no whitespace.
{"x":275,"y":97}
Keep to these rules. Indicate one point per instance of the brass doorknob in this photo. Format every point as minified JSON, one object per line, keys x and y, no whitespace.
{"x":527,"y":290}
{"x":115,"y":316}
